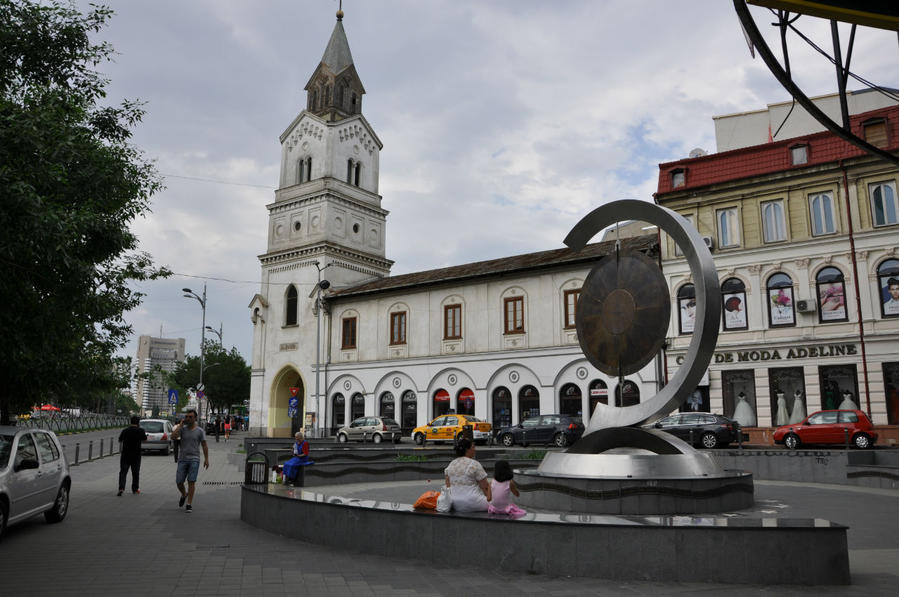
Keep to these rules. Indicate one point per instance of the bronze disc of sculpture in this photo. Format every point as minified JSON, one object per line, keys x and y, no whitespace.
{"x":623,"y":312}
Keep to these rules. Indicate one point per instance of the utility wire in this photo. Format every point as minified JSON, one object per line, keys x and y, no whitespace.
{"x":218,"y":181}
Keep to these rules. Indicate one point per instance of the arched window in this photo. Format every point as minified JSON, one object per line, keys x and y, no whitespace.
{"x":773,"y":225}
{"x":888,"y":283}
{"x":387,"y":406}
{"x":627,"y":393}
{"x":502,"y":408}
{"x":349,"y":171}
{"x":570,"y":400}
{"x":528,"y":403}
{"x":781,"y":310}
{"x":821,"y":207}
{"x":441,"y":402}
{"x":831,"y":295}
{"x":353,"y":104}
{"x":301,"y":170}
{"x":308,"y":169}
{"x":733,"y":303}
{"x":599,"y":392}
{"x":357,"y":406}
{"x":686,"y":303}
{"x":338,"y":412}
{"x":290,"y":306}
{"x":883,"y":203}
{"x":409,"y":406}
{"x":358,"y":173}
{"x":465,"y":402}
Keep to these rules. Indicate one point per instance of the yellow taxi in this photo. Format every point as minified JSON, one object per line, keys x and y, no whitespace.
{"x":449,"y":427}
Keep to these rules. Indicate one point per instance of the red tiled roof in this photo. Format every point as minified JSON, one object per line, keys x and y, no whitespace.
{"x":745,"y":162}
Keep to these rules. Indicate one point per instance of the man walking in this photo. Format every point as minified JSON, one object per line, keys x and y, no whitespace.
{"x":192,"y":437}
{"x":130,"y":440}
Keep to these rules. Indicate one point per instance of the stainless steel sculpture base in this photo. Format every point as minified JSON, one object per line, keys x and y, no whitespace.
{"x":628,"y":470}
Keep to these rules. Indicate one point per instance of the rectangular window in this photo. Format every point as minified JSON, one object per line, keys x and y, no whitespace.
{"x":571,"y":297}
{"x":774,"y":226}
{"x":677,"y":249}
{"x":514,"y":314}
{"x":821,"y":210}
{"x":678,"y":178}
{"x":349,"y":333}
{"x":728,"y":227}
{"x":799,"y":155}
{"x":398,"y":328}
{"x":883,"y":203}
{"x":452,"y":322}
{"x":876,"y":133}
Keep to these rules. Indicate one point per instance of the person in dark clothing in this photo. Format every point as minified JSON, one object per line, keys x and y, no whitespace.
{"x":130,"y":440}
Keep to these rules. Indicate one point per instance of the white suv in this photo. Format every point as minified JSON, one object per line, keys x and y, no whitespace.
{"x":34,"y":476}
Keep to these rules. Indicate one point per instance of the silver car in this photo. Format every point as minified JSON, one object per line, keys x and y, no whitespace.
{"x":376,"y":429}
{"x":159,"y":435}
{"x":34,"y":476}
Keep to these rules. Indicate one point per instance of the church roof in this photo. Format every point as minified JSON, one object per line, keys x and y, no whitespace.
{"x":517,"y":264}
{"x":337,"y":56}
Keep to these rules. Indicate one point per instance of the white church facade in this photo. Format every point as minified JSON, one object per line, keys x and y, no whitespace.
{"x":495,"y":338}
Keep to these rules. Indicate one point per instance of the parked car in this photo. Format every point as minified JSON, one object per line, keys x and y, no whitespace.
{"x":701,"y":429}
{"x":449,"y":428}
{"x":34,"y":476}
{"x":159,"y":435}
{"x":829,"y":427}
{"x":561,"y":430}
{"x":376,"y":429}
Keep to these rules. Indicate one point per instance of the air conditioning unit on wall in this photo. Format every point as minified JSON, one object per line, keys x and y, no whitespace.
{"x":708,"y":242}
{"x":805,"y":306}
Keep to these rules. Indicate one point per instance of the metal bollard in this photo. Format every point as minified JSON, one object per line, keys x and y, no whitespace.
{"x":846,"y":436}
{"x":90,"y":450}
{"x":77,"y":451}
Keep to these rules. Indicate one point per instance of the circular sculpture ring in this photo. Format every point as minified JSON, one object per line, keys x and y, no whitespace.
{"x":708,"y":307}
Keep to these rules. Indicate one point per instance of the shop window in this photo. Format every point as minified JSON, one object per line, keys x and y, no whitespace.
{"x":290,"y":306}
{"x":698,"y":401}
{"x":781,"y":308}
{"x":821,"y":209}
{"x":398,"y":328}
{"x":733,"y":302}
{"x":387,"y":406}
{"x":627,"y":393}
{"x":888,"y":283}
{"x":338,"y":412}
{"x":441,"y":402}
{"x":883,"y":203}
{"x":410,"y":412}
{"x":570,"y":299}
{"x":502,"y":408}
{"x":513,"y":309}
{"x":839,"y":387}
{"x":728,"y":227}
{"x":465,"y":402}
{"x":774,"y":226}
{"x":348,"y":333}
{"x":891,"y":389}
{"x":528,"y":403}
{"x":686,"y":306}
{"x":452,"y":322}
{"x":787,"y":389}
{"x":570,"y":400}
{"x":799,"y":155}
{"x":599,"y":393}
{"x":738,"y":389}
{"x":357,"y":406}
{"x":831,"y":295}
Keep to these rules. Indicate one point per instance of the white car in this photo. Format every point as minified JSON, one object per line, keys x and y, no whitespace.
{"x":159,"y":435}
{"x":34,"y":476}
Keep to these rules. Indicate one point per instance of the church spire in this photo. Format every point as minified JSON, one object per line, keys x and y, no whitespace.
{"x":335,"y":90}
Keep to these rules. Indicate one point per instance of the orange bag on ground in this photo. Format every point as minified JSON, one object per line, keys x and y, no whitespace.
{"x":427,"y":501}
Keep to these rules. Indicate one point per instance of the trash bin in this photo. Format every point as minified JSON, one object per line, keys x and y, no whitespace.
{"x":256,"y":469}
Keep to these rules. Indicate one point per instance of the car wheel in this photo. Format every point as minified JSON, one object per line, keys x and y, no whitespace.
{"x":60,"y":506}
{"x":861,"y":441}
{"x":560,"y":440}
{"x":791,"y":441}
{"x":341,"y":438}
{"x":420,"y":439}
{"x":508,"y":440}
{"x":377,"y":438}
{"x":709,"y":440}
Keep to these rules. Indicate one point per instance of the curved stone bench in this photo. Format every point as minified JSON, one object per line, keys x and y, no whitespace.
{"x":656,"y":548}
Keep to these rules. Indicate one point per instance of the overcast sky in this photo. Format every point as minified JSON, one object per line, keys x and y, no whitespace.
{"x":503,"y":122}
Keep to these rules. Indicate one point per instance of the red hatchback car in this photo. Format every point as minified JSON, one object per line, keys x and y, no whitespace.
{"x":829,"y":427}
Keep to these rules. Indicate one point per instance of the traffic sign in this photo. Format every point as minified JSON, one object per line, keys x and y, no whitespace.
{"x":294,"y":391}
{"x":173,"y":396}
{"x":293,"y":402}
{"x":201,"y":394}
{"x":291,"y":411}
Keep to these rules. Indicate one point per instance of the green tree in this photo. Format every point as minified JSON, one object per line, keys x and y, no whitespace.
{"x":71,"y":183}
{"x":227,"y":376}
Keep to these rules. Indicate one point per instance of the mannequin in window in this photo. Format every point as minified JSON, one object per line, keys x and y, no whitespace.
{"x":848,"y":403}
{"x":743,"y":413}
{"x":798,"y":413}
{"x":695,"y":401}
{"x":782,"y":416}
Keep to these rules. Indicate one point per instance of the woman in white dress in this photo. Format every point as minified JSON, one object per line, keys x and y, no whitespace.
{"x":782,"y":415}
{"x":798,"y":413}
{"x":743,"y":413}
{"x":467,"y":480}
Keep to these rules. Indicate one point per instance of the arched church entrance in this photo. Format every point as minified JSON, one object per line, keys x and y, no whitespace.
{"x":284,"y":420}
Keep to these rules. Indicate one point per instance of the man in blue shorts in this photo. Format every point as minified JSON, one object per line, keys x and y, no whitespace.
{"x":192,"y":437}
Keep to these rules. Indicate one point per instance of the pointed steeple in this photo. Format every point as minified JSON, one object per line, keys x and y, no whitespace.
{"x":334,"y":90}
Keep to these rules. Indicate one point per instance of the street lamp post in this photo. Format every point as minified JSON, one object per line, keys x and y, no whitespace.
{"x":320,"y":285}
{"x":188,"y":293}
{"x":217,"y":332}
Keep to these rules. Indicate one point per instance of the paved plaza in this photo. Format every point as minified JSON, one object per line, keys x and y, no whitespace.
{"x":145,"y":545}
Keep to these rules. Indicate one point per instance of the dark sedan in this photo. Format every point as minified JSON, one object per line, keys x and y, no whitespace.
{"x":561,"y":430}
{"x":700,"y":429}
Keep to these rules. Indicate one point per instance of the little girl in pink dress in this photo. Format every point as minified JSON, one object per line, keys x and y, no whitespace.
{"x":501,"y":486}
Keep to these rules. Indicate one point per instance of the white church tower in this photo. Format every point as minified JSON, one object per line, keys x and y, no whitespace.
{"x":326,"y":223}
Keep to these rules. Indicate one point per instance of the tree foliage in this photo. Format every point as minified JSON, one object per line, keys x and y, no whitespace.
{"x":226,"y":376}
{"x":71,"y":184}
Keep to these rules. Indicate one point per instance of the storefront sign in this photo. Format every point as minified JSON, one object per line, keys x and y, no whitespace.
{"x":800,"y":352}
